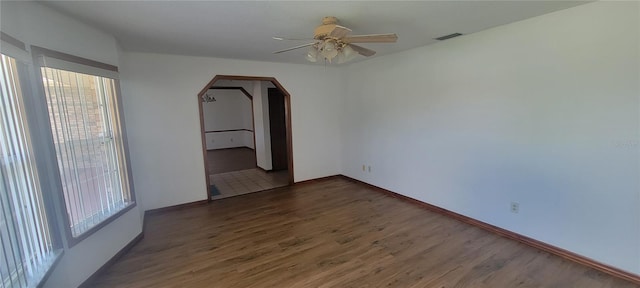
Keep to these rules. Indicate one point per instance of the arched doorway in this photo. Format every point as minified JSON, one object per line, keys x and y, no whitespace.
{"x":280,"y":145}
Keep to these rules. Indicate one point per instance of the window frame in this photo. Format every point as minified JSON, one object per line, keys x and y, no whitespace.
{"x":71,"y":240}
{"x":16,"y":49}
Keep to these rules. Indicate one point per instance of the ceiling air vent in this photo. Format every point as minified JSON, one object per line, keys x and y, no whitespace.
{"x":445,"y":37}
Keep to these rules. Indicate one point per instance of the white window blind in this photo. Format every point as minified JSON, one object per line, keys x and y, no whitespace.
{"x":26,"y":248}
{"x":87,"y":136}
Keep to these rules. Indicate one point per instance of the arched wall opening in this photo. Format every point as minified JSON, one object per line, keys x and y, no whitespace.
{"x":273,"y":152}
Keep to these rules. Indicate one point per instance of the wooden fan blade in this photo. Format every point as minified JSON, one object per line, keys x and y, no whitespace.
{"x":339,"y":32}
{"x":293,"y":39}
{"x":362,"y":51}
{"x":294,"y":48}
{"x":372,"y":38}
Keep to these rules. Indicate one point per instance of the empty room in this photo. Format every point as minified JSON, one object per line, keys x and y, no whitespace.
{"x":319,"y":144}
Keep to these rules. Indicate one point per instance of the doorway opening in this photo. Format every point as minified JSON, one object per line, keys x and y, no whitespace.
{"x":246,"y":135}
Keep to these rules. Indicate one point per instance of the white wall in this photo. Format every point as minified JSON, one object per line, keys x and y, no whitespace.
{"x":38,"y":25}
{"x":266,"y":119}
{"x":544,"y":112}
{"x":261,"y":128}
{"x":41,"y":26}
{"x":167,"y":163}
{"x":229,"y":139}
{"x":231,"y":111}
{"x":86,"y":257}
{"x":262,"y":124}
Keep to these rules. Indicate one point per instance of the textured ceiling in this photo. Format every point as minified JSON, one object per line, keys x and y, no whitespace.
{"x":243,"y":29}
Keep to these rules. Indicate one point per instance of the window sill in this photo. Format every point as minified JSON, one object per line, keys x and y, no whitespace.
{"x":57,"y":255}
{"x":72,"y":241}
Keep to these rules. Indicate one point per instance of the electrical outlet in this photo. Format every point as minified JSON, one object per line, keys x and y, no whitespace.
{"x":369,"y":168}
{"x":515,"y":207}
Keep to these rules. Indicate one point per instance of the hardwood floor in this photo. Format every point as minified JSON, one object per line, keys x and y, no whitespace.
{"x":333,"y":233}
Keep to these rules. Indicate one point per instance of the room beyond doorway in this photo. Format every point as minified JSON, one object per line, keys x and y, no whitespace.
{"x":231,"y":159}
{"x":246,"y":135}
{"x":233,"y":172}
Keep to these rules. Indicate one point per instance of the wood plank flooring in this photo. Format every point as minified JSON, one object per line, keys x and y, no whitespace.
{"x":333,"y":233}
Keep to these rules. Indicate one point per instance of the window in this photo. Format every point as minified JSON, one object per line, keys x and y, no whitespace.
{"x":62,"y":157}
{"x":26,"y":245}
{"x":84,"y":120}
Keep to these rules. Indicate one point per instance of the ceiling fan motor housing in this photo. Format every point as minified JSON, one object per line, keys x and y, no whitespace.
{"x":328,"y":24}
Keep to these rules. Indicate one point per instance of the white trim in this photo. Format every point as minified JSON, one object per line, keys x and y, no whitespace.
{"x":76,"y":67}
{"x":15,"y":52}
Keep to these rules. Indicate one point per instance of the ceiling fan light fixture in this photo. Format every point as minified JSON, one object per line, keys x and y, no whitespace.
{"x":312,"y":54}
{"x":335,"y":44}
{"x":349,"y":53}
{"x":329,"y":46}
{"x":340,"y":58}
{"x":329,"y":50}
{"x":208,"y":98}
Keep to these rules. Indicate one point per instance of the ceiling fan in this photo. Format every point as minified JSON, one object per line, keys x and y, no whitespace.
{"x":333,"y":42}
